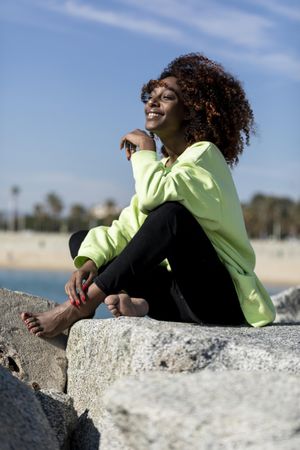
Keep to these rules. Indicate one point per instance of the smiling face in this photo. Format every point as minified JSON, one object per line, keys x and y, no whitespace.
{"x":164,"y":108}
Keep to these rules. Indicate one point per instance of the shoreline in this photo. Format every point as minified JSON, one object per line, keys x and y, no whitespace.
{"x":277,"y":262}
{"x":290,"y":282}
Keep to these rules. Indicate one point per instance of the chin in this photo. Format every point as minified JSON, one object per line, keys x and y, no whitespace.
{"x":149,"y":128}
{"x":152,"y":128}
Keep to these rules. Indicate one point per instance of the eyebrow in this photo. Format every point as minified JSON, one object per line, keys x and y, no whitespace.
{"x":166,"y":87}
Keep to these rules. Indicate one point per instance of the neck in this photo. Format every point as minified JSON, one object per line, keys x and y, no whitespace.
{"x":175,"y":146}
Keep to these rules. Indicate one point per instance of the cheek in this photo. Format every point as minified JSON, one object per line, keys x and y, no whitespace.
{"x":178,"y":115}
{"x":179,"y":112}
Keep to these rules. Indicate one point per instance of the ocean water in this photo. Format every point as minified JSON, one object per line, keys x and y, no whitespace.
{"x":51,"y":285}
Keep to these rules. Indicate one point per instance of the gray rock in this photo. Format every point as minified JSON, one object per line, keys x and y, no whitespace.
{"x":111,"y":437}
{"x":62,"y":417}
{"x":101,"y":351}
{"x":207,"y":411}
{"x":287,"y":305}
{"x":86,"y":436}
{"x":31,"y":359}
{"x":23,"y":422}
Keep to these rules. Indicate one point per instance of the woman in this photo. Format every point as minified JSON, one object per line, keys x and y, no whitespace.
{"x":180,"y":251}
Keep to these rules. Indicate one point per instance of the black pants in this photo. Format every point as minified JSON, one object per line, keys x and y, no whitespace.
{"x":199,"y":286}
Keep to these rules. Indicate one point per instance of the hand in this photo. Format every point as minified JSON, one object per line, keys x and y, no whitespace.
{"x":137,"y":138}
{"x":75,"y":288}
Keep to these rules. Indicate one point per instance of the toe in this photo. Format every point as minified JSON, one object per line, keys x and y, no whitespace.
{"x":33,"y":324}
{"x":111,"y":307}
{"x":115,"y":312}
{"x":25,"y":315}
{"x":36,"y":330}
{"x":112,"y":300}
{"x":30,"y":320}
{"x":39,"y":334}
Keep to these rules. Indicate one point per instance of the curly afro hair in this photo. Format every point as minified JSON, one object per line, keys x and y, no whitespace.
{"x":219,"y":111}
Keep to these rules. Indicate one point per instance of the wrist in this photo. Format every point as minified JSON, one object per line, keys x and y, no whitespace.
{"x":89,"y":266}
{"x":148,"y":145}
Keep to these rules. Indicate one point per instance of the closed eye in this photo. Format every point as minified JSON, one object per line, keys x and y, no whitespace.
{"x":164,"y":97}
{"x":168,"y":97}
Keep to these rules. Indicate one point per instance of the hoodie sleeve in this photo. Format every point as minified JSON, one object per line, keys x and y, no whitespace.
{"x":102,"y":243}
{"x":185,"y":182}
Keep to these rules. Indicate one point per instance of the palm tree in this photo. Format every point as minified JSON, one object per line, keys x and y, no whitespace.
{"x":39,"y":217}
{"x":55,"y":206}
{"x":78,"y":217}
{"x":15,"y":192}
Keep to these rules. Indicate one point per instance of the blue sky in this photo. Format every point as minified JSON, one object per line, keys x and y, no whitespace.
{"x":70,"y":79}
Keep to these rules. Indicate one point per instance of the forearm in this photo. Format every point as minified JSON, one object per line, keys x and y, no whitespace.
{"x":102,"y":244}
{"x":154,"y":183}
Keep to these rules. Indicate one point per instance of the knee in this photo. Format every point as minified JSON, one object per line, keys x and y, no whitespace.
{"x":171,"y":210}
{"x":75,"y":241}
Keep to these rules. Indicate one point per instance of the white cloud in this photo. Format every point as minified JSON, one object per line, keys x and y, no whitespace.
{"x":245,"y":36}
{"x":119,"y":19}
{"x":212,"y":18}
{"x":282,"y":62}
{"x":277,"y":62}
{"x":231,"y":32}
{"x":290,"y":12}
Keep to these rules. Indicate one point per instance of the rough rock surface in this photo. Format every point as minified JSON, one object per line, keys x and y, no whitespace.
{"x":100,"y":352}
{"x":62,"y":417}
{"x":23,"y":422}
{"x":86,"y":436}
{"x":207,"y":411}
{"x":31,"y":359}
{"x":287,"y":304}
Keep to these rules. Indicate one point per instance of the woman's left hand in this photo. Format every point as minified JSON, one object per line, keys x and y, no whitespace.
{"x":137,"y":138}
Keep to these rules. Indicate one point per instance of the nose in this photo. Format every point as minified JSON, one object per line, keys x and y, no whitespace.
{"x":153,"y":100}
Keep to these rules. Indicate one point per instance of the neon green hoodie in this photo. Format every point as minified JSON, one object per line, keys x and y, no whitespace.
{"x":200,"y":180}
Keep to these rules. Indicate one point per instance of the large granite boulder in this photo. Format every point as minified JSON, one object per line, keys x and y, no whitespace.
{"x":23,"y":422}
{"x":61,"y":415}
{"x":206,"y":410}
{"x":33,"y":360}
{"x":101,"y":352}
{"x":287,"y":304}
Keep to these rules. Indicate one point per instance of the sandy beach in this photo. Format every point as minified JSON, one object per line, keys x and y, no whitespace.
{"x":277,"y":262}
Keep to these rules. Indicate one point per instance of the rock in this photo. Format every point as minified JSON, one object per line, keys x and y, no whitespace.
{"x":101,"y":351}
{"x":31,"y":359}
{"x":23,"y":422}
{"x":207,"y":411}
{"x":111,"y":437}
{"x":287,"y":305}
{"x":62,"y":417}
{"x":86,"y":436}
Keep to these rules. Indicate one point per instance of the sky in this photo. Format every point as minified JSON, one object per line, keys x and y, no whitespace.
{"x":70,"y":78}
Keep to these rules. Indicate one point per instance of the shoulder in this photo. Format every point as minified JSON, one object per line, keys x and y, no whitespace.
{"x":199,"y":152}
{"x":204,"y":156}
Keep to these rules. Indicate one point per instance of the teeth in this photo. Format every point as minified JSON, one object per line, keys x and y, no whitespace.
{"x":153,"y":115}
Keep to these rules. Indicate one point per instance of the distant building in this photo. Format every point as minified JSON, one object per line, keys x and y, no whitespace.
{"x":103,"y":211}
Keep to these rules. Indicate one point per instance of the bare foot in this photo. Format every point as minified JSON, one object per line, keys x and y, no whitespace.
{"x":51,"y":323}
{"x":123,"y":305}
